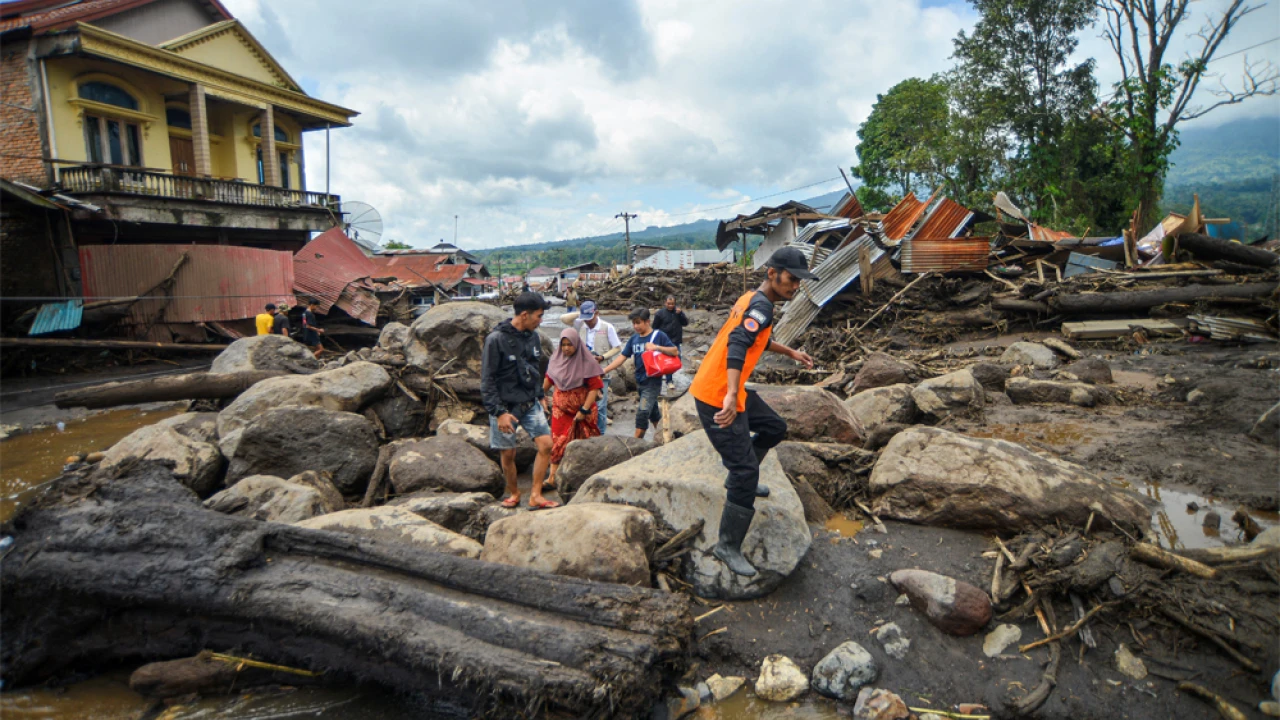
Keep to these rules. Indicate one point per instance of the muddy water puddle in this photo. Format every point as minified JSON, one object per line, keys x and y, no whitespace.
{"x":843,"y":525}
{"x":33,"y":458}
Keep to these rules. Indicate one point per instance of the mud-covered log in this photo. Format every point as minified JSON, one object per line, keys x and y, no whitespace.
{"x":1017,"y":305}
{"x":106,"y":570}
{"x":1212,"y":248}
{"x":1136,"y":300}
{"x":191,"y":386}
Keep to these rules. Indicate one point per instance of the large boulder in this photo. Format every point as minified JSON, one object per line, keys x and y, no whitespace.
{"x":593,"y":541}
{"x":681,"y":483}
{"x":887,"y":404}
{"x":263,"y":497}
{"x":477,"y":436}
{"x":812,"y":414}
{"x":1030,"y":354}
{"x":454,"y":331}
{"x":401,"y":416}
{"x":880,"y":370}
{"x":954,"y":606}
{"x":396,"y":524}
{"x":290,"y":440}
{"x":935,"y":477}
{"x":347,"y":389}
{"x":816,"y":473}
{"x":265,"y":352}
{"x":453,"y":511}
{"x":1026,"y":391}
{"x":991,"y":376}
{"x":954,"y":392}
{"x":394,"y":337}
{"x":449,"y":463}
{"x":183,"y":444}
{"x":584,"y":458}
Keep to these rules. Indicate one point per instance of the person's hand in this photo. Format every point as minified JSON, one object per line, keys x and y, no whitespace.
{"x":546,"y":405}
{"x":650,"y":346}
{"x":728,"y":410}
{"x":507,"y":423}
{"x":803,"y":358}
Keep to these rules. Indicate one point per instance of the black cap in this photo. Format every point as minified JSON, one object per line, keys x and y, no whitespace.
{"x":791,"y":260}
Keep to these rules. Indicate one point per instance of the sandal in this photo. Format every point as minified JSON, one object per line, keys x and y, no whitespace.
{"x":544,"y":505}
{"x":511,"y":502}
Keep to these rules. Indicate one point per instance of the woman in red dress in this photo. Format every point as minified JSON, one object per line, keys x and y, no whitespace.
{"x":576,"y":377}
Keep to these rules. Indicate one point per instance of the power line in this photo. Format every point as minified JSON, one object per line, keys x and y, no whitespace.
{"x":1237,"y":52}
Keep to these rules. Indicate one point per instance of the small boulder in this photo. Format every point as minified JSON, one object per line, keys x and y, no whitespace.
{"x":592,"y":541}
{"x":812,"y":414}
{"x":880,"y":370}
{"x":953,"y":606}
{"x":722,"y":688}
{"x":446,"y":462}
{"x":936,"y":477}
{"x":1025,"y":391}
{"x":881,"y":436}
{"x":396,"y":524}
{"x":954,"y":392}
{"x":394,"y":337}
{"x":878,"y":704}
{"x":887,"y":404}
{"x":478,"y":437}
{"x":781,"y":680}
{"x":450,"y":510}
{"x":844,"y":671}
{"x":265,"y":352}
{"x":287,"y":441}
{"x":172,"y":443}
{"x":1030,"y":354}
{"x":267,"y":498}
{"x":584,"y":458}
{"x":1092,"y":370}
{"x":990,"y":375}
{"x":894,"y":642}
{"x":1267,"y":538}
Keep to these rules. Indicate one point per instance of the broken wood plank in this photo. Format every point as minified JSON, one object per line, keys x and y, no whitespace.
{"x":1152,"y":555}
{"x":1098,"y":329}
{"x":191,"y":386}
{"x":1221,"y":555}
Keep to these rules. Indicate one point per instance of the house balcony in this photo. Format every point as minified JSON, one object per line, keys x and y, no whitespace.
{"x":132,"y":195}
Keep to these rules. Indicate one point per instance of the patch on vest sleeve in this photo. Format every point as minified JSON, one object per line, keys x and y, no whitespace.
{"x":759,"y":317}
{"x":751,"y":325}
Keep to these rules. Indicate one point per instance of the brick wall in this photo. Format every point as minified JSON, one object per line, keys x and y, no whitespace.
{"x":19,"y":126}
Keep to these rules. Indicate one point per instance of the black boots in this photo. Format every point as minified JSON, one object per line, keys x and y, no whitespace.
{"x":734,"y":522}
{"x":761,"y":490}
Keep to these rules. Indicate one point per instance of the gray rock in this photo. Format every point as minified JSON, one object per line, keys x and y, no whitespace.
{"x":584,"y":458}
{"x":1094,"y":371}
{"x":456,"y":331}
{"x":478,"y":437}
{"x":887,"y":404}
{"x":812,"y":414}
{"x":592,"y":541}
{"x":1025,"y":391}
{"x":814,"y":469}
{"x":953,"y":606}
{"x":935,"y":477}
{"x":954,"y":392}
{"x":894,"y":642}
{"x":1213,"y":520}
{"x":446,"y":462}
{"x":881,"y":436}
{"x":290,"y":440}
{"x":683,"y":482}
{"x":398,"y":525}
{"x":450,"y":510}
{"x":175,"y":444}
{"x":1267,"y":538}
{"x":990,"y":375}
{"x":880,"y":370}
{"x":722,"y":688}
{"x":267,"y":498}
{"x":322,"y":482}
{"x":781,"y":680}
{"x":265,"y":352}
{"x":394,"y":337}
{"x":1032,"y":355}
{"x":844,"y":671}
{"x":879,"y":704}
{"x":1002,"y":637}
{"x":401,"y":416}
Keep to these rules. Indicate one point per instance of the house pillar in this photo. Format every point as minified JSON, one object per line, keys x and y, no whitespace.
{"x":270,"y":158}
{"x":200,"y":131}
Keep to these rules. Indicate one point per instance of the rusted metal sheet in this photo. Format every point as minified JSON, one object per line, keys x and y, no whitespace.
{"x":417,"y":270}
{"x":1039,"y":232}
{"x":921,"y":255}
{"x":898,"y":222}
{"x":213,"y":283}
{"x":323,"y":267}
{"x":945,"y":220}
{"x":359,"y":302}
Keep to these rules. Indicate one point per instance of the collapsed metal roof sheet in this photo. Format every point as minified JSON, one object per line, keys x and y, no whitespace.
{"x":56,"y":316}
{"x":945,"y":220}
{"x":840,"y":269}
{"x":797,"y":315}
{"x":899,"y":220}
{"x":323,"y":267}
{"x":920,"y":255}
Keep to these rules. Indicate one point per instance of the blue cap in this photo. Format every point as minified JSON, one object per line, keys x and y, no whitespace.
{"x":588,"y":310}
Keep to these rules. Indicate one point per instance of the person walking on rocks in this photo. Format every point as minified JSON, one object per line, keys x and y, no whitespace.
{"x":577,"y":379}
{"x":511,"y":388}
{"x":672,"y":321}
{"x":730,"y":413}
{"x":280,"y":323}
{"x":644,"y":339}
{"x":265,"y":319}
{"x":600,"y":336}
{"x":311,"y":328}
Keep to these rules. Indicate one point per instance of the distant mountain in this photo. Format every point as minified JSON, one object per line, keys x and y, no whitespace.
{"x":1234,"y":168}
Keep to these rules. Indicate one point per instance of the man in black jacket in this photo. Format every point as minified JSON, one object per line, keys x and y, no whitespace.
{"x":671,"y":320}
{"x":511,"y":387}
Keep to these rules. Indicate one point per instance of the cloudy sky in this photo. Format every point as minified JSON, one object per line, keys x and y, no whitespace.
{"x":537,"y":121}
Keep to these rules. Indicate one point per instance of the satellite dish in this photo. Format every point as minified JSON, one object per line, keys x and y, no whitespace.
{"x":362,"y":223}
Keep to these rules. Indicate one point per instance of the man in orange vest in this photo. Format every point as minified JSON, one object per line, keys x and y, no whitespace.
{"x":730,"y":413}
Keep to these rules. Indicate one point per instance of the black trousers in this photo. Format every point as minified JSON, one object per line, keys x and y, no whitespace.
{"x":740,"y":453}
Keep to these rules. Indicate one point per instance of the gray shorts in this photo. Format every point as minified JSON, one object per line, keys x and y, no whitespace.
{"x":534,"y":422}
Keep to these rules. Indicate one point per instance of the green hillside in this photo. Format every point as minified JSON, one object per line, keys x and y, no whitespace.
{"x":1235,"y":168}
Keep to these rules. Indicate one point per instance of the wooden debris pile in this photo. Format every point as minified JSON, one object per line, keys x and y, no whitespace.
{"x":715,"y":288}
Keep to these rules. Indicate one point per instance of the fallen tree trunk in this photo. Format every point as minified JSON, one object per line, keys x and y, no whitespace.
{"x":104,"y":570}
{"x":191,"y":386}
{"x":1016,"y":305}
{"x":1134,"y":300}
{"x":1212,"y":248}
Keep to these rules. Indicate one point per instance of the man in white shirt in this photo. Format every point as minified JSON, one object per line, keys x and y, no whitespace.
{"x":600,"y":337}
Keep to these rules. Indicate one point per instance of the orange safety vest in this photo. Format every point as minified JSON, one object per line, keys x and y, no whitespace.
{"x":712,"y":381}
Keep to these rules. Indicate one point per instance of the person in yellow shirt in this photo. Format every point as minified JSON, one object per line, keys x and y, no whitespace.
{"x":264,"y":319}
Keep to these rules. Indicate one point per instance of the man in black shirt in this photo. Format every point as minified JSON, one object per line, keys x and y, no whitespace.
{"x":310,"y":329}
{"x":280,"y":323}
{"x":671,"y":320}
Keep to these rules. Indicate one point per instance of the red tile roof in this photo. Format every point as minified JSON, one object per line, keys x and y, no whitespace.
{"x":49,"y":15}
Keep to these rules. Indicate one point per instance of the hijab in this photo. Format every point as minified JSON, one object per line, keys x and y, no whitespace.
{"x":569,"y":373}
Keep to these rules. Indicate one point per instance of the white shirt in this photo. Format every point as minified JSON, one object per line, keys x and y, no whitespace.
{"x":589,"y":333}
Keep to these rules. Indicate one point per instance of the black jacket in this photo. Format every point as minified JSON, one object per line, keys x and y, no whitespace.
{"x":511,"y":370}
{"x":671,"y":323}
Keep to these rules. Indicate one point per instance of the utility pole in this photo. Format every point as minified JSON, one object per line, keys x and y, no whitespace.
{"x":626,"y":219}
{"x":455,"y":231}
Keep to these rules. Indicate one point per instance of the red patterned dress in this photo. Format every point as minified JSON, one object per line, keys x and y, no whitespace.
{"x":564,"y":408}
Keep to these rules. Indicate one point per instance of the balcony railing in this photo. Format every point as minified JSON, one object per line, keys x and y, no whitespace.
{"x":95,"y":179}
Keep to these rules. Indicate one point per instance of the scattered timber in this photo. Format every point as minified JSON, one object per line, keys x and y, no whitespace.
{"x":191,"y":386}
{"x":1223,"y":555}
{"x":1099,"y":329}
{"x":83,"y":585}
{"x":1211,"y":248}
{"x":1152,"y":555}
{"x":1134,"y":300}
{"x":108,"y":344}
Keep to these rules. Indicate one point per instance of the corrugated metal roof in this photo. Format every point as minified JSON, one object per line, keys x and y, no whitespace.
{"x":417,"y":270}
{"x":685,"y":259}
{"x":920,"y":255}
{"x":323,"y":267}
{"x":359,"y":302}
{"x":945,"y":220}
{"x":797,"y":315}
{"x":848,"y":206}
{"x":53,"y":317}
{"x":840,"y":269}
{"x":214,"y":283}
{"x":898,"y":222}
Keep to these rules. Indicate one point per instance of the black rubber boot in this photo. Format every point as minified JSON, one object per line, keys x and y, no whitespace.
{"x":734,"y":522}
{"x":761,"y":489}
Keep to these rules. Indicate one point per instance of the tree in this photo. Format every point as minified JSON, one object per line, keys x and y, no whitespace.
{"x":396,"y":245}
{"x":903,"y":142}
{"x":1154,"y":96}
